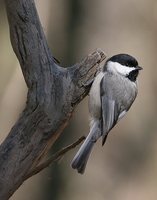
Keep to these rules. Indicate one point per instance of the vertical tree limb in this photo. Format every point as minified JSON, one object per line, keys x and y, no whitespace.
{"x":53,"y":93}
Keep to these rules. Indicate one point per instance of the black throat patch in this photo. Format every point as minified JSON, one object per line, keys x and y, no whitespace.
{"x":133,"y":75}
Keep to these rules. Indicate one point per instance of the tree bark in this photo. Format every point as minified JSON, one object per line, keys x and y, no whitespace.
{"x":53,"y":93}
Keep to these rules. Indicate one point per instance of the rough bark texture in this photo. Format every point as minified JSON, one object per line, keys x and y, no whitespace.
{"x":53,"y":93}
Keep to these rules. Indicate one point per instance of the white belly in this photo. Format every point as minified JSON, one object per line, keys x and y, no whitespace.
{"x":94,"y":97}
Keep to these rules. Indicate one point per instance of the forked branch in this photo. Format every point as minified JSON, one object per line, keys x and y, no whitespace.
{"x":53,"y":93}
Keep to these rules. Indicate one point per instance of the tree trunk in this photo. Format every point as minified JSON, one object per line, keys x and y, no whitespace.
{"x":53,"y":93}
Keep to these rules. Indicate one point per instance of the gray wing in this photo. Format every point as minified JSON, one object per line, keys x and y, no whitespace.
{"x":115,"y":101}
{"x":109,"y":116}
{"x":110,"y":108}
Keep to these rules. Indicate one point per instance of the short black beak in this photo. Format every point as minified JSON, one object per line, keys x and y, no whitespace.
{"x":139,"y":68}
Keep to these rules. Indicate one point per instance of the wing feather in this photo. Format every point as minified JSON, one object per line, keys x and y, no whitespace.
{"x":109,"y":109}
{"x":109,"y":116}
{"x":115,"y":101}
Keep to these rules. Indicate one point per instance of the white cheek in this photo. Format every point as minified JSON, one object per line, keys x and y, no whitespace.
{"x":121,"y":69}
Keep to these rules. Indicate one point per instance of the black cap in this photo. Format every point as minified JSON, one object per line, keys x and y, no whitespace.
{"x":124,"y":59}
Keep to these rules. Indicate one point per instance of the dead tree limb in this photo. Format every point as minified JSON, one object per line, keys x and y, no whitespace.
{"x":55,"y":157}
{"x":53,"y":93}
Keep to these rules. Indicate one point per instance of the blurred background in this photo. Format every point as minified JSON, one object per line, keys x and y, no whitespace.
{"x":126,"y":167}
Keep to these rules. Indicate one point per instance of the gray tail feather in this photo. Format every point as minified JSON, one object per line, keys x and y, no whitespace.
{"x":80,"y":160}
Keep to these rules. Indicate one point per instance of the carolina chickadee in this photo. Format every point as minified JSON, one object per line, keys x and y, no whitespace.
{"x":111,"y":96}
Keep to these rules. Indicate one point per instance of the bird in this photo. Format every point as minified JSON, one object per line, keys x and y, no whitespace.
{"x":111,"y":95}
